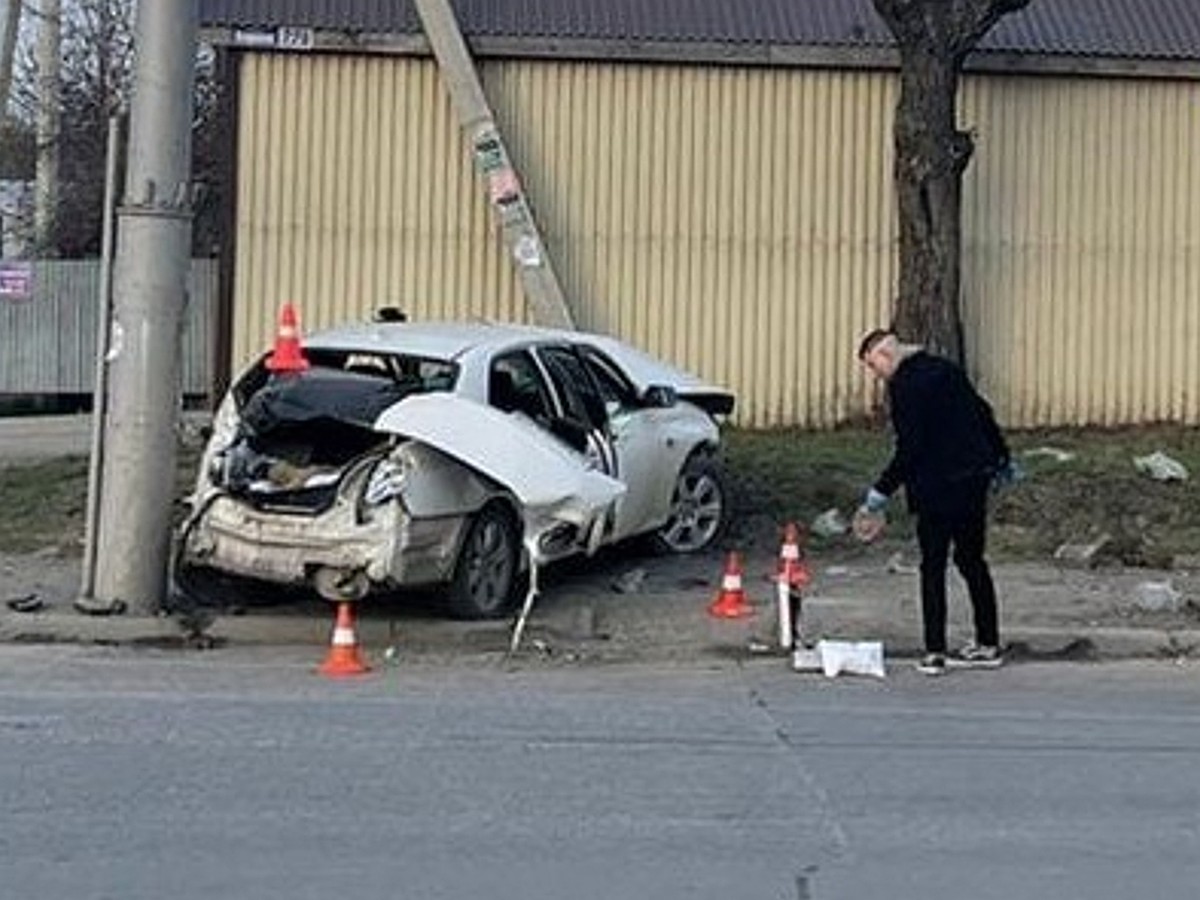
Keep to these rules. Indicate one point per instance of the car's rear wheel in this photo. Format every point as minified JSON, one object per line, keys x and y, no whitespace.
{"x":699,"y":507}
{"x":487,"y":579}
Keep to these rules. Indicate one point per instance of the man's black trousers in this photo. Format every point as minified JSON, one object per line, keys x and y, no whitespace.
{"x":964,"y":526}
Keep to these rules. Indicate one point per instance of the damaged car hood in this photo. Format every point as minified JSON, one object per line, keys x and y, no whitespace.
{"x":552,"y":482}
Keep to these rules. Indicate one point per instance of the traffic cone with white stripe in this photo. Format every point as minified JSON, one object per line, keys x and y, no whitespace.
{"x":731,"y":602}
{"x":344,"y":658}
{"x":793,"y":571}
{"x":288,"y":356}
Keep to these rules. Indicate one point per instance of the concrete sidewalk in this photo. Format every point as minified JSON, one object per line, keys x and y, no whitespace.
{"x":1046,"y":613}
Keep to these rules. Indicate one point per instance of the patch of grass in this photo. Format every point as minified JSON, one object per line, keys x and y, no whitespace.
{"x":791,"y":475}
{"x":44,"y":504}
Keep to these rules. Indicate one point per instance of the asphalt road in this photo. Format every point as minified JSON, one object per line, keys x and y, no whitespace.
{"x":138,"y":774}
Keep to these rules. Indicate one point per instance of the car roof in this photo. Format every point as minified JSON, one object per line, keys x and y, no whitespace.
{"x":435,"y":340}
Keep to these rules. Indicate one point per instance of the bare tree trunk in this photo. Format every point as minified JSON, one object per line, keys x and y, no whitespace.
{"x":49,"y":62}
{"x":933,"y":37}
{"x":931,"y":155}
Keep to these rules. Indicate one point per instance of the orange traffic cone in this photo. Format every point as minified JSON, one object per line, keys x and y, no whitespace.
{"x":793,"y":571}
{"x":287,"y":355}
{"x":731,"y":602}
{"x":343,"y":658}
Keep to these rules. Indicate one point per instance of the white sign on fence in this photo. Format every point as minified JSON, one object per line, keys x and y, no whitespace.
{"x":16,"y":281}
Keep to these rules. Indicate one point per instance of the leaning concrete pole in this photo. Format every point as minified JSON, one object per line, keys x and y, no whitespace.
{"x":154,"y":231}
{"x":519,"y":228}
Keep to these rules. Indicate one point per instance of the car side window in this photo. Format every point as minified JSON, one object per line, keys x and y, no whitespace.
{"x":575,"y":386}
{"x":615,"y":389}
{"x":515,"y":385}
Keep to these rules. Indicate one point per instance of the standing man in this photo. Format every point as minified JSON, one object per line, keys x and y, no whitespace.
{"x":948,"y":450}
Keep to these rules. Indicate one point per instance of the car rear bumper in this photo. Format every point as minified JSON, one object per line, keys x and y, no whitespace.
{"x":391,"y":549}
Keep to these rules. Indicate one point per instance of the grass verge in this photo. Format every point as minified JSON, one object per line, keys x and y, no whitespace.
{"x":791,"y":475}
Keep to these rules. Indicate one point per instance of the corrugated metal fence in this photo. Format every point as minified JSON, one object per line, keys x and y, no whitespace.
{"x":741,"y":221}
{"x":48,"y":342}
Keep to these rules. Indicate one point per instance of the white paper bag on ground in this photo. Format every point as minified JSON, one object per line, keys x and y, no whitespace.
{"x":806,"y":659}
{"x":851,"y":657}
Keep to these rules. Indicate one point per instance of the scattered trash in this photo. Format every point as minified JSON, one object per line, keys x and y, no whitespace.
{"x":1161,"y":467}
{"x":851,"y":657}
{"x":391,"y":654}
{"x":830,"y":523}
{"x":897,"y":566}
{"x":1054,"y":453}
{"x":542,"y":647}
{"x":1157,"y":596}
{"x":837,"y":571}
{"x":25,"y":604}
{"x":758,"y":646}
{"x":1082,"y":555}
{"x":631,"y":582}
{"x":1186,"y":562}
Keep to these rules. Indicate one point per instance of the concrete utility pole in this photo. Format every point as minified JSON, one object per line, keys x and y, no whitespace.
{"x":49,"y":66}
{"x":521,"y":235}
{"x":154,"y":231}
{"x":10,"y":26}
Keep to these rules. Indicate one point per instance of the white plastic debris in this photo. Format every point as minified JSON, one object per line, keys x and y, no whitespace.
{"x":851,"y":657}
{"x":1161,"y":467}
{"x":807,"y":659}
{"x":897,"y":566}
{"x":1157,"y":596}
{"x":830,"y":523}
{"x":1054,"y":453}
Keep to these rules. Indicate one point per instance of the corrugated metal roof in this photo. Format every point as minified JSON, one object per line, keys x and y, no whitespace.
{"x":1135,"y":29}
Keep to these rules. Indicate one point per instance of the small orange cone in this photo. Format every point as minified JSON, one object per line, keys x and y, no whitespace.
{"x":793,"y":571}
{"x":287,"y":355}
{"x":731,"y":602}
{"x":343,"y":658}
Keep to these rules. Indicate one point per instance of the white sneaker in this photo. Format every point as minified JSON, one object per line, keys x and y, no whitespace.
{"x":932,"y":664}
{"x":978,"y":656}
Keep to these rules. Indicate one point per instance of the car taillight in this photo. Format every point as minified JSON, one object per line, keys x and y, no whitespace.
{"x":385,"y":483}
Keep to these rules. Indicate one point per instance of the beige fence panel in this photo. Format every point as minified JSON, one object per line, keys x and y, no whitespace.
{"x":740,"y":221}
{"x":1082,"y":261}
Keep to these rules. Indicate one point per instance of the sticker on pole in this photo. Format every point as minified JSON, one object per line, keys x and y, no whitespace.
{"x":16,"y":281}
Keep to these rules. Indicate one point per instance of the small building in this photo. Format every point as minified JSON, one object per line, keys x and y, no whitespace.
{"x":714,"y":183}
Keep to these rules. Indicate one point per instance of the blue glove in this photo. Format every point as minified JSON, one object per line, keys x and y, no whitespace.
{"x":875,"y":501}
{"x":1007,"y":475}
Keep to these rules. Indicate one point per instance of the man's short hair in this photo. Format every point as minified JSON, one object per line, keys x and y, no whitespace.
{"x":871,"y":339}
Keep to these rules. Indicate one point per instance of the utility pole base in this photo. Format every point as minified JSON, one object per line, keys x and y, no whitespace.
{"x":94,"y":606}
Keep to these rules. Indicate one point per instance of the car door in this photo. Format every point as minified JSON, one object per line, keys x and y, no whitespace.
{"x":648,"y":453}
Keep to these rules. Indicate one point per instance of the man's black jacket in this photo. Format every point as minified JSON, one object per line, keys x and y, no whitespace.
{"x":948,"y":445}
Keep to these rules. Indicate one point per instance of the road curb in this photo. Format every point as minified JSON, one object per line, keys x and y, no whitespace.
{"x":451,"y":639}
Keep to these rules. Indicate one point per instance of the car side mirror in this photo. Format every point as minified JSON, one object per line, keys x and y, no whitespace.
{"x":659,"y":396}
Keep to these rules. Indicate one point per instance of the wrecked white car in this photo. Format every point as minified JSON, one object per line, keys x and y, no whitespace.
{"x":453,"y":454}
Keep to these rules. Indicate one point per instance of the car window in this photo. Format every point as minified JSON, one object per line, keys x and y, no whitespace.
{"x":615,"y":389}
{"x":575,"y":386}
{"x":515,"y":385}
{"x":416,"y":373}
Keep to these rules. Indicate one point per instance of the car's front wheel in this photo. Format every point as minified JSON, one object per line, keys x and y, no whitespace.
{"x":699,"y":507}
{"x":486,"y":579}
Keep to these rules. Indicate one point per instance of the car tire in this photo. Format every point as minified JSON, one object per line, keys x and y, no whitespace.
{"x":487,"y":578}
{"x":699,"y":507}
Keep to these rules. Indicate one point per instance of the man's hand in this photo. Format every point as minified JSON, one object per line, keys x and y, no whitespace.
{"x":1007,"y":475}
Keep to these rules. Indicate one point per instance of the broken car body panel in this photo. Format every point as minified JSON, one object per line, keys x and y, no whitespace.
{"x":382,"y":457}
